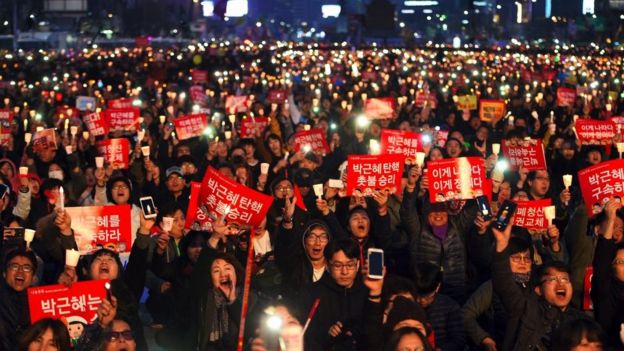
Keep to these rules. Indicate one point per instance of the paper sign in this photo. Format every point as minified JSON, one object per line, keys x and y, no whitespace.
{"x":116,"y":152}
{"x":530,"y":214}
{"x":491,"y":110}
{"x":467,"y":102}
{"x":199,"y":76}
{"x":249,"y":125}
{"x":85,"y":103}
{"x":593,"y":132}
{"x":237,"y":202}
{"x":236,"y":104}
{"x":441,"y":136}
{"x":198,"y":94}
{"x":600,"y":182}
{"x":120,"y":103}
{"x":566,"y":97}
{"x":80,"y":300}
{"x":125,"y":119}
{"x":96,"y":124}
{"x":190,"y":126}
{"x":460,"y":178}
{"x":314,"y":138}
{"x":194,"y":214}
{"x":526,"y":153}
{"x":367,"y":173}
{"x":396,"y":142}
{"x":379,"y":108}
{"x":45,"y":139}
{"x":101,"y":226}
{"x":277,"y":96}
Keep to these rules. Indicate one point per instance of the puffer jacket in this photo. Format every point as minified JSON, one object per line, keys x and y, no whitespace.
{"x":337,"y":304}
{"x":450,"y":253}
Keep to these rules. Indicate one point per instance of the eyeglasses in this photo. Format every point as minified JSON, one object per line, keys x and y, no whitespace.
{"x":339,"y":265}
{"x":558,"y":279}
{"x":119,"y":336}
{"x":120,"y":187}
{"x":520,"y":258}
{"x":24,"y":267}
{"x":320,"y":238}
{"x":618,"y":261}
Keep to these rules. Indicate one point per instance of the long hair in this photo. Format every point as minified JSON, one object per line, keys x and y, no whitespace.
{"x":59,"y":334}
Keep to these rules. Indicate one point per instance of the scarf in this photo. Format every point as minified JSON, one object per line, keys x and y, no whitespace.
{"x":440,"y":231}
{"x":521,"y":278}
{"x":220,"y":319}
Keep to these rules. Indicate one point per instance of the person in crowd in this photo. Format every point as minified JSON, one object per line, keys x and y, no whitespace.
{"x":46,"y":334}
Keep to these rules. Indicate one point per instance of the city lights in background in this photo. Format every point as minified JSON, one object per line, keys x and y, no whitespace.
{"x":235,"y":8}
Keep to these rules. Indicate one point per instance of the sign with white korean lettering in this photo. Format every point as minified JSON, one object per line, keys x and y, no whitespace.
{"x":460,"y":178}
{"x":367,"y":173}
{"x":101,"y":226}
{"x":600,"y":182}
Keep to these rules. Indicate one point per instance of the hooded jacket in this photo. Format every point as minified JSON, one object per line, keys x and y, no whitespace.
{"x":337,"y":304}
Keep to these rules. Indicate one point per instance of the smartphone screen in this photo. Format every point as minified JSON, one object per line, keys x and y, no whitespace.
{"x":375,"y":263}
{"x":504,"y":214}
{"x":13,"y":237}
{"x":147,"y":206}
{"x":484,"y":207}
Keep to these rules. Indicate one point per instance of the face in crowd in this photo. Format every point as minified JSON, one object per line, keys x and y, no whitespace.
{"x":315,"y":242}
{"x":359,"y":224}
{"x":120,"y":338}
{"x":104,"y":266}
{"x":539,"y":185}
{"x":19,"y":273}
{"x":556,"y":288}
{"x":343,"y":269}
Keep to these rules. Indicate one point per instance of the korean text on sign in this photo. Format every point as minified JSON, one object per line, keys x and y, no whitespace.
{"x":249,"y":125}
{"x":313,"y":138}
{"x":528,"y":154}
{"x":115,"y":151}
{"x":600,"y":182}
{"x":96,"y":124}
{"x":396,"y":142}
{"x":82,"y":299}
{"x":238,"y":203}
{"x":126,"y":119}
{"x":530,"y":214}
{"x":190,"y":126}
{"x":367,"y":173}
{"x":592,"y":132}
{"x":101,"y":226}
{"x":456,"y":179}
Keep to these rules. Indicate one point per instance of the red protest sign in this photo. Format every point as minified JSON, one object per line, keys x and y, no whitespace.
{"x":491,"y":110}
{"x":198,"y":95}
{"x":460,"y":178}
{"x":249,"y":125}
{"x":194,"y":214}
{"x":116,"y":152}
{"x":199,"y":76}
{"x":190,"y":126}
{"x":619,"y":122}
{"x":441,"y":136}
{"x":106,"y":226}
{"x":379,"y":108}
{"x":397,"y":142}
{"x":237,"y":202}
{"x":367,"y":173}
{"x":314,"y":139}
{"x":527,"y":153}
{"x":428,"y":98}
{"x":96,"y":124}
{"x":236,"y":104}
{"x":530,"y":214}
{"x":120,"y":103}
{"x":80,"y":300}
{"x":593,"y":132}
{"x":6,"y":119}
{"x":141,"y":41}
{"x":125,"y":119}
{"x":566,"y":97}
{"x":600,"y":182}
{"x":44,"y":139}
{"x":277,"y":96}
{"x":588,"y":304}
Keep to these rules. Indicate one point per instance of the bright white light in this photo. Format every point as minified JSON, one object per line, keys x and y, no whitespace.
{"x":330,"y":10}
{"x":588,"y":7}
{"x":362,"y":121}
{"x":502,"y":165}
{"x":456,"y":42}
{"x":518,"y":12}
{"x":420,"y":3}
{"x":207,"y":8}
{"x":237,"y":8}
{"x":274,"y":322}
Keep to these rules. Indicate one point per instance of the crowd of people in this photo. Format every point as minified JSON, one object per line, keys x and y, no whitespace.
{"x":450,"y":280}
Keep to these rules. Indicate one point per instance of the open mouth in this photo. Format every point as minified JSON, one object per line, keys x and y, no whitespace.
{"x":561,"y":293}
{"x":20,"y":279}
{"x":104,"y":270}
{"x":226,"y":282}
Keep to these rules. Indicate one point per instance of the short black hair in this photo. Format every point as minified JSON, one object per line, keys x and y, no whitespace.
{"x":542,"y":270}
{"x":350,"y":248}
{"x":397,"y":285}
{"x":60,"y":335}
{"x":20,"y":252}
{"x":428,"y":276}
{"x":570,"y":334}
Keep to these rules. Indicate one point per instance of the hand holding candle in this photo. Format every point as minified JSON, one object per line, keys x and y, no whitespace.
{"x":29,"y":235}
{"x":318,"y":190}
{"x":72,"y":257}
{"x":549,"y":213}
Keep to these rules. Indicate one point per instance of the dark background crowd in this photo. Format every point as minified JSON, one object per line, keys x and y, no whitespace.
{"x":451,"y":281}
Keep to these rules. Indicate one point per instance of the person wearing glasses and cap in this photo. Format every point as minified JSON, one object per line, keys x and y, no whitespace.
{"x":19,"y":268}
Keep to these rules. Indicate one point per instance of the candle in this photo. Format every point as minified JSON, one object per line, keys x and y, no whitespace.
{"x":72,"y":257}
{"x":264,"y":168}
{"x":69,"y":149}
{"x":549,"y":213}
{"x":162,"y":119}
{"x":27,"y":137}
{"x":232,"y":119}
{"x":567,"y":180}
{"x":420,"y":159}
{"x":145,"y":150}
{"x":61,"y":202}
{"x":318,"y":190}
{"x":167,"y":223}
{"x":306,"y":127}
{"x":620,"y":148}
{"x":99,"y":161}
{"x":496,"y":149}
{"x":374,"y":147}
{"x":29,"y":235}
{"x":73,"y":130}
{"x":23,"y":171}
{"x":228,"y":134}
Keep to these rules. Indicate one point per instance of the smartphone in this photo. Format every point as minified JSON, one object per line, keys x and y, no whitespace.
{"x":504,"y":215}
{"x":270,"y":330}
{"x":12,"y":238}
{"x":4,"y":189}
{"x":148,"y":207}
{"x":336,"y":184}
{"x":484,"y":207}
{"x":375,"y":263}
